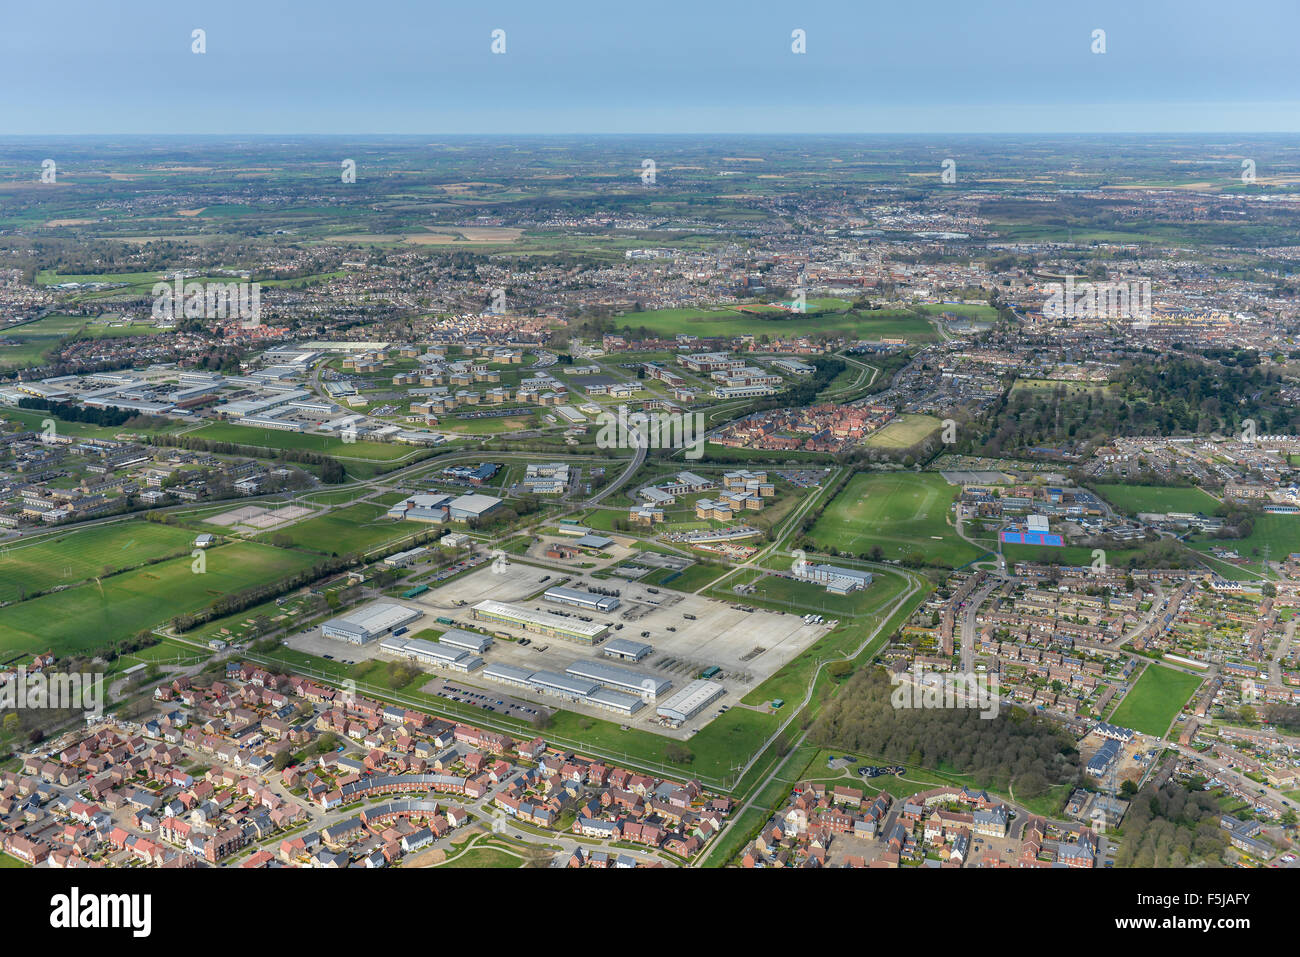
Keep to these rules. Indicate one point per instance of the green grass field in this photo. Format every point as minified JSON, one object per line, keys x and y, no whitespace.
{"x":903,"y":513}
{"x":867,"y":324}
{"x":75,"y":556}
{"x":480,"y":857}
{"x":905,"y":431}
{"x":1143,"y":498}
{"x":1281,"y":533}
{"x":90,"y":616}
{"x":325,"y":444}
{"x":782,"y":593}
{"x":1152,"y":703}
{"x":352,"y":529}
{"x":30,"y":343}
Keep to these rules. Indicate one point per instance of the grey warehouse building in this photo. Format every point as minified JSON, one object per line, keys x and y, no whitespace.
{"x":373,"y":621}
{"x":581,"y":599}
{"x":691,"y":700}
{"x":621,"y":679}
{"x":626,"y":649}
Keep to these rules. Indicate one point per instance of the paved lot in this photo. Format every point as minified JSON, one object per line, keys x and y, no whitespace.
{"x":747,"y":646}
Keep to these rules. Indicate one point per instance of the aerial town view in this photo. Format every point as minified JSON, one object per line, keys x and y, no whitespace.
{"x":546,"y":439}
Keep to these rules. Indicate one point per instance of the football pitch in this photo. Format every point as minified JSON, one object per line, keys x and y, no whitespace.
{"x":905,"y":514}
{"x":91,"y":616}
{"x":1142,"y":498}
{"x":27,"y":567}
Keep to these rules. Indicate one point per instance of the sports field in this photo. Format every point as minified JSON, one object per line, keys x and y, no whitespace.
{"x":1152,"y":703}
{"x":74,"y":556}
{"x":905,"y":514}
{"x":351,"y":529}
{"x":905,"y":431}
{"x":88,"y":617}
{"x":1132,"y":499}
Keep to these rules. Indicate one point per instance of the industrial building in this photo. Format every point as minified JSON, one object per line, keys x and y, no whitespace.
{"x":367,"y":624}
{"x":402,"y":559}
{"x":423,"y":508}
{"x":465,"y":640}
{"x":569,"y":687}
{"x":431,"y":653}
{"x":691,"y":700}
{"x":647,"y":686}
{"x":627,"y":649}
{"x":838,"y":581}
{"x":472,"y":507}
{"x":581,"y":599}
{"x":541,"y":622}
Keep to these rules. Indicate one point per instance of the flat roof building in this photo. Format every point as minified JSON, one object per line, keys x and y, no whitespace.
{"x":473,"y":506}
{"x":627,"y":649}
{"x":691,"y":700}
{"x":465,"y":640}
{"x":431,"y":653}
{"x":541,"y":622}
{"x":836,"y":579}
{"x":647,"y":686}
{"x":581,"y":599}
{"x":569,"y":687}
{"x":373,"y":621}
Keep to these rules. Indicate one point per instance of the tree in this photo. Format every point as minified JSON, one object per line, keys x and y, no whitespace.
{"x":678,"y":753}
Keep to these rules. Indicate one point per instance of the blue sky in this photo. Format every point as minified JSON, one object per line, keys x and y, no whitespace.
{"x":725,"y":66}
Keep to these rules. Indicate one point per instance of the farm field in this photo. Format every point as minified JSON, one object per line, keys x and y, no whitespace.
{"x":74,"y":556}
{"x":29,"y":343}
{"x":905,"y":514}
{"x":866,"y":324}
{"x":91,"y":616}
{"x":1141,"y":498}
{"x":351,"y":529}
{"x":1152,"y":703}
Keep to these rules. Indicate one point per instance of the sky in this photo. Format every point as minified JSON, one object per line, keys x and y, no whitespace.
{"x":669,"y":66}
